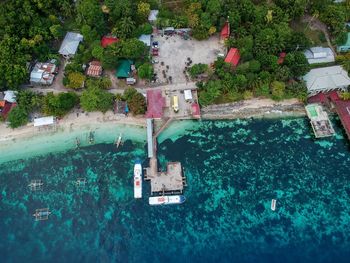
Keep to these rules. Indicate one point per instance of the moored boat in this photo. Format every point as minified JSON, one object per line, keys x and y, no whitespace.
{"x":273,"y":204}
{"x":137,"y":180}
{"x":166,"y":200}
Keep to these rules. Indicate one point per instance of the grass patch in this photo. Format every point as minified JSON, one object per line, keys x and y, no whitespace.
{"x":316,"y":37}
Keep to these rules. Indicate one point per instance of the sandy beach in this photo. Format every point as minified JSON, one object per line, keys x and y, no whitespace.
{"x":70,"y":122}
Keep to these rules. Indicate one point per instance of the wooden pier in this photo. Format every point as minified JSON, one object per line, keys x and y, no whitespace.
{"x":172,"y":180}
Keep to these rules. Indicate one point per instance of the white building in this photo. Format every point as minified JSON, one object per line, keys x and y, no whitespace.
{"x":326,"y":79}
{"x":319,"y":55}
{"x":70,"y":44}
{"x":146,"y":39}
{"x":152,"y":17}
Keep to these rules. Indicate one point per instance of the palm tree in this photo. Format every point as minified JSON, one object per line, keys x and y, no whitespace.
{"x":126,"y":26}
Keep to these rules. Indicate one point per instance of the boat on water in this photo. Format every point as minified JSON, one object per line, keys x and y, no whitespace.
{"x":273,"y":204}
{"x":166,"y":200}
{"x":137,"y":180}
{"x":42,"y":214}
{"x":118,"y":142}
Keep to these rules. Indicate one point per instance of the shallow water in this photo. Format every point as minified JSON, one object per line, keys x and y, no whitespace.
{"x":233,"y":169}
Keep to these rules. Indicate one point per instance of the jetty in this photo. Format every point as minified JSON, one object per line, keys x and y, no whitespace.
{"x":319,"y":120}
{"x":170,"y":181}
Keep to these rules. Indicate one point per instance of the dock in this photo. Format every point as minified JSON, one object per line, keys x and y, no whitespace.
{"x":172,"y":180}
{"x":319,"y":120}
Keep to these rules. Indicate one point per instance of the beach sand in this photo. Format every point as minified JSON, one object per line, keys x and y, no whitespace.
{"x":30,"y":141}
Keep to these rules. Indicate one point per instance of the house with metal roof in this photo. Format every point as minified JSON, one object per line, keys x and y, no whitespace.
{"x":124,"y":68}
{"x":319,"y":55}
{"x":346,"y":46}
{"x":326,"y":79}
{"x":146,"y":39}
{"x":108,"y":40}
{"x":70,"y":44}
{"x":94,"y":69}
{"x":152,"y":17}
{"x":43,"y":73}
{"x":233,"y":57}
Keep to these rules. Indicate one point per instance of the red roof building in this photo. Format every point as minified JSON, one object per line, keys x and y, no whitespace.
{"x":281,"y":58}
{"x":155,"y":104}
{"x":108,"y":40}
{"x":196,"y":113}
{"x":225,"y":31}
{"x":95,"y":69}
{"x":7,"y":108}
{"x":233,"y":57}
{"x":343,"y":109}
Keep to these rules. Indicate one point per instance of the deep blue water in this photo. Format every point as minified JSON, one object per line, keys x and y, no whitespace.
{"x":233,"y":169}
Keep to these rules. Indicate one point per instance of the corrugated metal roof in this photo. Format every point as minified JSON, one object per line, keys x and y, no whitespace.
{"x":70,"y":43}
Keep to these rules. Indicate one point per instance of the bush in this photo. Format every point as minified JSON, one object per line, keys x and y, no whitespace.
{"x":277,"y":90}
{"x":96,"y":99}
{"x":197,"y":69}
{"x":17,"y":117}
{"x":59,"y":105}
{"x":75,"y":80}
{"x":145,"y":71}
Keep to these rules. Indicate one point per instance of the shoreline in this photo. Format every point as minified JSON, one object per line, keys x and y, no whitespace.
{"x":254,"y":108}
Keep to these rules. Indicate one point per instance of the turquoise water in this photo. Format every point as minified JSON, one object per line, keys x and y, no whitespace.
{"x":233,"y":169}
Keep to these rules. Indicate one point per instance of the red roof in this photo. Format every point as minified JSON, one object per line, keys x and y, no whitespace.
{"x":318,"y":98}
{"x":2,"y":103}
{"x":225,"y":31}
{"x":233,"y":56}
{"x":155,"y":104}
{"x":343,"y":110}
{"x":333,"y":95}
{"x":7,"y":108}
{"x":95,"y":69}
{"x":195,"y":110}
{"x":108,"y":40}
{"x":281,"y":58}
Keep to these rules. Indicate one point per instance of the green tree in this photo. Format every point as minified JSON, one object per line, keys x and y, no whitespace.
{"x":137,"y":104}
{"x":96,"y":99}
{"x":89,"y":13}
{"x":129,"y":93}
{"x":297,"y":63}
{"x":210,"y":92}
{"x":277,"y":90}
{"x":125,"y":27}
{"x":57,"y":31}
{"x":132,"y":48}
{"x":17,"y":117}
{"x":28,"y":100}
{"x":59,"y":105}
{"x":145,"y":71}
{"x":143,"y":10}
{"x":198,"y":69}
{"x":75,"y":80}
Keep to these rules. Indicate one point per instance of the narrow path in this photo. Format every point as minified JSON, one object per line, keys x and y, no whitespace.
{"x":315,"y":24}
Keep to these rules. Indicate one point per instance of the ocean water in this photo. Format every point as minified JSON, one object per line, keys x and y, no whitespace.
{"x":233,"y":170}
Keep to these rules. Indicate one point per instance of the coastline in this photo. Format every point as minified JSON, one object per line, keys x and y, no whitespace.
{"x":254,"y":108}
{"x":29,"y":141}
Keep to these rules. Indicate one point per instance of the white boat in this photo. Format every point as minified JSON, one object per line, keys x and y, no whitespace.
{"x":166,"y":200}
{"x":137,"y":180}
{"x":119,"y":141}
{"x":273,"y":204}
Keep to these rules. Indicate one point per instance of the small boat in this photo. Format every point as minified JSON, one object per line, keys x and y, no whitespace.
{"x":166,"y":200}
{"x":91,"y":137}
{"x":41,"y":214}
{"x":118,"y":142}
{"x":273,"y":204}
{"x":137,"y":180}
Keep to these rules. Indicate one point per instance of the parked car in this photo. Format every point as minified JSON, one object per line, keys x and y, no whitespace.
{"x":155,"y":52}
{"x":155,"y":44}
{"x":155,"y":61}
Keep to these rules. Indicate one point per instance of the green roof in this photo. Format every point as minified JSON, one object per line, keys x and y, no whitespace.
{"x":123,"y":69}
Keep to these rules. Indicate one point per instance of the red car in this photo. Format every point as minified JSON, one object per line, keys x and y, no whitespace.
{"x":155,"y":52}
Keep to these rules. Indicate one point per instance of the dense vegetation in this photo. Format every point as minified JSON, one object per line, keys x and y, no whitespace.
{"x":32,"y":30}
